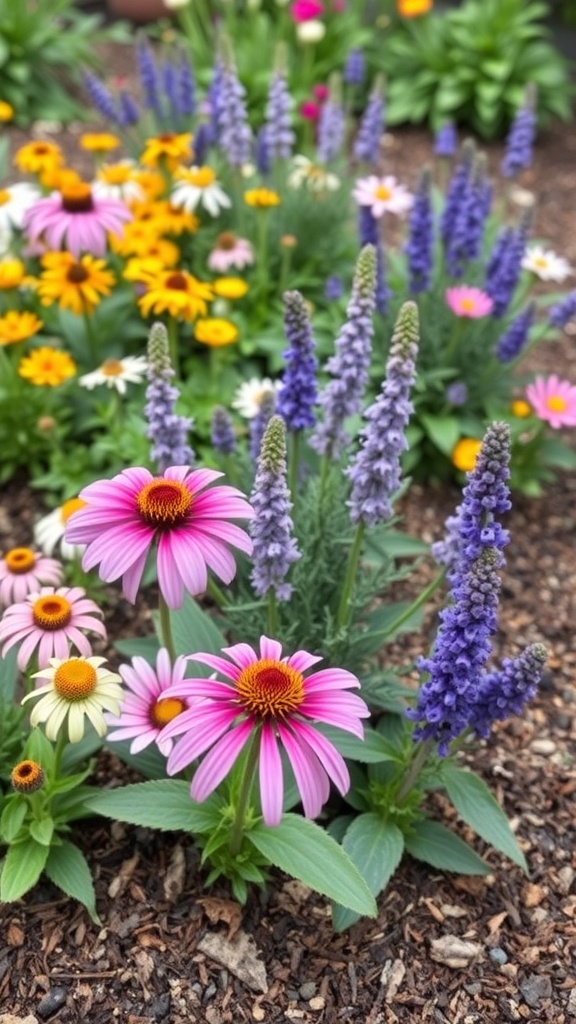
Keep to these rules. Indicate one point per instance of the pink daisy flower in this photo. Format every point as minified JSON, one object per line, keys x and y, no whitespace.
{"x":309,"y":110}
{"x":145,"y":708}
{"x":270,"y":696}
{"x":75,"y":218}
{"x":469,"y":302}
{"x":50,"y":620}
{"x":23,"y":571}
{"x":230,"y":251}
{"x":124,"y":516}
{"x":382,"y":195}
{"x":553,"y":401}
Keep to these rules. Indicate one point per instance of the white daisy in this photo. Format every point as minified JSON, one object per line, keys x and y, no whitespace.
{"x":76,"y":688}
{"x":15,"y":200}
{"x":116,"y":373}
{"x":199,"y":186}
{"x":546,"y":264}
{"x":116,"y":181}
{"x":313,"y":176}
{"x":382,"y":195}
{"x":248,"y":397}
{"x":311,"y":31}
{"x":49,"y":530}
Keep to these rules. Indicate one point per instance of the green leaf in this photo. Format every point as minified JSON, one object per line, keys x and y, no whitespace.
{"x":23,"y":865}
{"x":438,"y":846}
{"x":478,"y":808}
{"x":141,"y":646}
{"x":396,"y":544}
{"x":42,"y":831}
{"x":39,"y":749}
{"x":376,"y":847}
{"x":8,"y":676}
{"x":555,"y":453}
{"x":162,"y":803}
{"x":372,"y":749}
{"x":68,"y":869}
{"x":193,"y":630}
{"x":443,"y":431}
{"x":13,"y":816}
{"x":304,"y":850}
{"x":149,"y":762}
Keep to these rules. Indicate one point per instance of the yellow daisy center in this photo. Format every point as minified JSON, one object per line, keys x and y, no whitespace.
{"x":4,"y":196}
{"x":164,"y":503}
{"x":111,"y":368}
{"x":27,"y":776}
{"x":77,"y":197}
{"x":75,"y":679}
{"x":468,"y":304}
{"x":70,"y":506}
{"x":51,"y":612}
{"x":163,"y":711}
{"x":115,"y":174}
{"x":556,"y":404}
{"x":20,"y":560}
{"x":202,"y":177}
{"x":270,"y":689}
{"x":177,"y":281}
{"x":77,"y":274}
{"x":383,"y":192}
{"x":540,"y":261}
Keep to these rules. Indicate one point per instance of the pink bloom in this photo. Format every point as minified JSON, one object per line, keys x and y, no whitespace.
{"x":306,"y":10}
{"x":23,"y":571}
{"x":125,"y":515}
{"x":470,"y":302}
{"x":309,"y":110}
{"x":270,"y":698}
{"x":553,"y":401}
{"x":321,"y":92}
{"x":382,"y":195}
{"x":230,"y":251}
{"x":146,"y":709}
{"x":50,"y":620}
{"x":75,"y":218}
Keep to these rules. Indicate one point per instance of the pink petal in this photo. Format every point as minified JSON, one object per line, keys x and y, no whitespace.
{"x":271,"y":778}
{"x":330,"y":758}
{"x":169,"y":579}
{"x":270,"y":648}
{"x":207,"y":725}
{"x":132,"y":577}
{"x":301,"y":660}
{"x":311,"y":778}
{"x":331,"y":679}
{"x":188,"y":556}
{"x":242,"y":654}
{"x":220,"y":664}
{"x":219,"y":761}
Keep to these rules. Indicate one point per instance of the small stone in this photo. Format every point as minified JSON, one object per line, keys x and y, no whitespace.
{"x":565,"y":879}
{"x":544,"y":747}
{"x":474,"y":988}
{"x":571,"y":1007}
{"x":9,"y":1018}
{"x":159,"y":1007}
{"x":51,"y":1002}
{"x":498,"y":955}
{"x":454,"y":951}
{"x":535,"y":988}
{"x":307,"y":990}
{"x":317,"y":1003}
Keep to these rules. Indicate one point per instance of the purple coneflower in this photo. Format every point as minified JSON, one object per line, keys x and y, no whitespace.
{"x":23,"y":571}
{"x":50,"y":620}
{"x":145,"y":709}
{"x":77,"y":218}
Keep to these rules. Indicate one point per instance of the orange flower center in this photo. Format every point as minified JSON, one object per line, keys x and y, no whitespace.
{"x":77,"y":197}
{"x":77,"y":274}
{"x":226,"y":241}
{"x":468,"y":304}
{"x":70,"y":506}
{"x":20,"y":560}
{"x":111,"y":368}
{"x":115,"y":174}
{"x":202,"y":177}
{"x":27,"y":776}
{"x":382,"y":192}
{"x":75,"y":679}
{"x":166,"y":137}
{"x":164,"y":503}
{"x":163,"y":711}
{"x":51,"y":612}
{"x":40,"y":149}
{"x":270,"y":689}
{"x":556,"y":404}
{"x":4,"y":196}
{"x":177,"y":281}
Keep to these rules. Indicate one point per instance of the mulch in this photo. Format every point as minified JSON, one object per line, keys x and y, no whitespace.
{"x":444,"y":949}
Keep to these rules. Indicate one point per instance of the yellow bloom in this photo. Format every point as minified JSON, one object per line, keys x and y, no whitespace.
{"x":136,"y":240}
{"x":230,"y":287}
{"x":168,"y":149}
{"x":55,"y":177}
{"x":99,"y":142}
{"x":147,"y":268}
{"x":47,"y":367}
{"x":178,"y":293}
{"x":15,"y":326}
{"x":413,"y":8}
{"x":465,"y":453}
{"x":37,"y":157}
{"x":215,"y":332}
{"x":11,"y":274}
{"x":76,"y":284}
{"x":6,"y":111}
{"x":262,"y":198}
{"x":151,"y":182}
{"x":521,"y":409}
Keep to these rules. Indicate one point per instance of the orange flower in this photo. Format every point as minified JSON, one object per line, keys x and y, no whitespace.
{"x":465,"y":453}
{"x":413,"y":8}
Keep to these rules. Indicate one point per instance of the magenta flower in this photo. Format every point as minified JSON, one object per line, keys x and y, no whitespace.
{"x":124,"y":516}
{"x":23,"y":571}
{"x":469,"y":302}
{"x":50,"y":620}
{"x":270,"y":696}
{"x":230,"y":251}
{"x":553,"y":401}
{"x":146,"y":709}
{"x":306,"y":10}
{"x":75,"y":218}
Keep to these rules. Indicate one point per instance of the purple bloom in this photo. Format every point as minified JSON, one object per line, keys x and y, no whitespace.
{"x":513,"y":341}
{"x":234,"y":133}
{"x":419,"y":247}
{"x":149,"y":76}
{"x":101,"y":99}
{"x":169,"y":77}
{"x":457,"y":393}
{"x":520,"y":140}
{"x":506,"y":691}
{"x":333,"y":288}
{"x":465,"y":242}
{"x":271,"y":529}
{"x":129,"y":112}
{"x":505,"y":264}
{"x":202,"y":140}
{"x":166,"y":429}
{"x":349,"y":366}
{"x":367,"y":142}
{"x":186,"y":88}
{"x":222,"y":434}
{"x":279,"y":132}
{"x":298,"y":394}
{"x":260,"y":421}
{"x":331,"y":130}
{"x":369,"y":234}
{"x":214,"y":102}
{"x":457,"y":193}
{"x":562,"y":312}
{"x":446,"y":140}
{"x":375,"y":470}
{"x":262,"y":152}
{"x":355,"y":67}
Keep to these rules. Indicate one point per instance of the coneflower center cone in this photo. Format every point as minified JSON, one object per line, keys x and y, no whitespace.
{"x":77,"y":198}
{"x":51,"y":612}
{"x":163,"y":711}
{"x":164,"y":503}
{"x":270,"y":688}
{"x":75,"y":679}
{"x":20,"y":560}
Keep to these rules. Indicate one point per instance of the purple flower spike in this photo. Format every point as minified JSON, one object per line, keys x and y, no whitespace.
{"x":331,"y":127}
{"x":234,"y":133}
{"x":149,"y":75}
{"x":260,"y":421}
{"x":375,"y":471}
{"x":513,"y":341}
{"x":298,"y":394}
{"x":562,"y":312}
{"x":222,"y":434}
{"x":505,"y":264}
{"x":446,"y":140}
{"x":520,"y":141}
{"x":166,"y":430}
{"x":369,"y":234}
{"x":506,"y":691}
{"x":419,"y":248}
{"x":355,"y":67}
{"x":101,"y":99}
{"x":457,"y":193}
{"x":271,"y":529}
{"x":280,"y":134}
{"x":349,"y":366}
{"x":367,"y":142}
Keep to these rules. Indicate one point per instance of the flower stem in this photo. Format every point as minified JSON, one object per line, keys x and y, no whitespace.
{"x":237,"y":830}
{"x":217,"y":594}
{"x":293,"y":466}
{"x":90,"y":337}
{"x":420,"y":600}
{"x":59,"y":750}
{"x":454,"y":342}
{"x":262,"y":261}
{"x":272,"y":613}
{"x":351,"y":568}
{"x":173,"y":344}
{"x":422,"y":751}
{"x":166,"y":628}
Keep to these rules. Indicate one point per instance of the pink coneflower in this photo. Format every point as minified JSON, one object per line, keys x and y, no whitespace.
{"x":267,"y":697}
{"x":145,"y":708}
{"x":306,"y":10}
{"x":321,"y":92}
{"x":469,"y":302}
{"x":50,"y":620}
{"x":125,"y":515}
{"x":230,"y":251}
{"x":553,"y":401}
{"x":309,"y":110}
{"x":23,"y":571}
{"x":76,"y":218}
{"x":382,"y":195}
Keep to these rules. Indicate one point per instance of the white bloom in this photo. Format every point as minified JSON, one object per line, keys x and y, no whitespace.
{"x":76,"y":688}
{"x":50,"y":529}
{"x":311,"y":31}
{"x":314,"y":176}
{"x":5,"y":240}
{"x":174,"y":5}
{"x":198,"y":185}
{"x":546,"y":264}
{"x":116,"y":181}
{"x":382,"y":194}
{"x":15,"y":200}
{"x":249,"y":395}
{"x":116,"y":373}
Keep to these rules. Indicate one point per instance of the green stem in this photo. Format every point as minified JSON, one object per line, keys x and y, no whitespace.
{"x":351,"y":568}
{"x":420,"y":600}
{"x":61,"y":740}
{"x":166,"y":627}
{"x":173,"y":345}
{"x":262,"y":265}
{"x":217,"y":594}
{"x":422,"y":751}
{"x":293,"y":466}
{"x":454,"y":342}
{"x":272,"y":613}
{"x":91,"y":339}
{"x":237,"y":830}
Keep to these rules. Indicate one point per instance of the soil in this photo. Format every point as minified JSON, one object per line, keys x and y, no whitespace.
{"x":162,"y":952}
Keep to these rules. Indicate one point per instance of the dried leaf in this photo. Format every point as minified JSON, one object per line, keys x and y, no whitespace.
{"x":174,"y":878}
{"x":240,"y":956}
{"x":223,"y":910}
